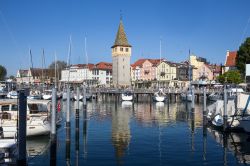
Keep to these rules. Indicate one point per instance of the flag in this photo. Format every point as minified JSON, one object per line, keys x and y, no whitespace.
{"x":58,"y":106}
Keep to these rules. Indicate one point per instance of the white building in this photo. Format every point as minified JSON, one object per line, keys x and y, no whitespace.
{"x":94,"y":75}
{"x":77,"y":73}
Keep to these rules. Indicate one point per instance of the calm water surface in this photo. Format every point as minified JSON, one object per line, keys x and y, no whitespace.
{"x":140,"y":134}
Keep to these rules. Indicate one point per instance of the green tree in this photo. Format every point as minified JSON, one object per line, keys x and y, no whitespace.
{"x":12,"y":77}
{"x":60,"y":65}
{"x":232,"y":76}
{"x":3,"y":72}
{"x":243,"y":57}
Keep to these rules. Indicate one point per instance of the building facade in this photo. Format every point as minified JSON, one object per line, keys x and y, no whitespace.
{"x":230,"y":63}
{"x":35,"y":76}
{"x":121,"y":52}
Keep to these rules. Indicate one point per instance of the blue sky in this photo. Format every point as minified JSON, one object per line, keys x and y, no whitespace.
{"x":207,"y":27}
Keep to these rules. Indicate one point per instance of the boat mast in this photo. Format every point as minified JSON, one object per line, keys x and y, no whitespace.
{"x":86,"y":58}
{"x":161,"y":66}
{"x":42,"y":71}
{"x":55,"y":71}
{"x":68,"y":61}
{"x":189,"y":70}
{"x":31,"y":61}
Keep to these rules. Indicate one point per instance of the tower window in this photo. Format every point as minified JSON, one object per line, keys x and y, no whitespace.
{"x":121,"y":49}
{"x":126,"y":49}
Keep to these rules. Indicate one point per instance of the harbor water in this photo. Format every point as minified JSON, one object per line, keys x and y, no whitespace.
{"x":125,"y":133}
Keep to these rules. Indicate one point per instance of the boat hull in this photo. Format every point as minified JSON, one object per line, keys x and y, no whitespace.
{"x":34,"y":128}
{"x":127,"y":97}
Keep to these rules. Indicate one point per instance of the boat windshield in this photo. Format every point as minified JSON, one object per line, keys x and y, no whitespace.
{"x":37,"y":108}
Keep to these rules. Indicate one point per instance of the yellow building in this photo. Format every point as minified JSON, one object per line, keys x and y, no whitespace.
{"x":201,"y":70}
{"x":166,"y":74}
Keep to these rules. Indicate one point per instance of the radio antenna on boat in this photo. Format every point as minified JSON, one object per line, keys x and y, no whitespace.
{"x":69,"y":55}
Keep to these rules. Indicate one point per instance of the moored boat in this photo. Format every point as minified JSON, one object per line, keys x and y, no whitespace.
{"x":159,"y":96}
{"x":127,"y":96}
{"x":38,"y":115}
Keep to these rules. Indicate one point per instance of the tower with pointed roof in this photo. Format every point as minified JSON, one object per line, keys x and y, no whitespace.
{"x":121,"y":52}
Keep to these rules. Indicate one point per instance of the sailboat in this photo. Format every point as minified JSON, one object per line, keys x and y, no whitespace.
{"x":48,"y":93}
{"x":127,"y":96}
{"x":159,"y":96}
{"x":188,"y":95}
{"x":88,"y":94}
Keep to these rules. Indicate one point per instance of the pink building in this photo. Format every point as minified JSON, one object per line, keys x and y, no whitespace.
{"x":144,"y":69}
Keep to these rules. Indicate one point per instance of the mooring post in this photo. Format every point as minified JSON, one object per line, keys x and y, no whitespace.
{"x":68,"y":108}
{"x":68,"y":127}
{"x":53,"y":139}
{"x":204,"y":100}
{"x":193,"y":97}
{"x":77,"y":98}
{"x":53,"y":114}
{"x":85,"y":120}
{"x":225,"y":109}
{"x":77,"y":128}
{"x":21,"y":134}
{"x":84,"y":96}
{"x":204,"y":107}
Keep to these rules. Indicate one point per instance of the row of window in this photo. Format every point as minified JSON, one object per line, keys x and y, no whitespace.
{"x":121,"y":49}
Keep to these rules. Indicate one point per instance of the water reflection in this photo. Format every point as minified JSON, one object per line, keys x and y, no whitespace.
{"x":37,"y":146}
{"x":161,"y":133}
{"x":85,"y":129}
{"x":121,"y":130}
{"x":238,"y":143}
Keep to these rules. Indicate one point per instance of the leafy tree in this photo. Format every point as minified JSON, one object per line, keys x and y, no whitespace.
{"x":243,"y":56}
{"x":60,"y":65}
{"x":12,"y":77}
{"x":3,"y":72}
{"x":232,"y":76}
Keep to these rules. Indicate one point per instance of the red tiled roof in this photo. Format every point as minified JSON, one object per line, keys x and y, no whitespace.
{"x":155,"y":62}
{"x":139,"y":62}
{"x":230,"y":61}
{"x":104,"y":66}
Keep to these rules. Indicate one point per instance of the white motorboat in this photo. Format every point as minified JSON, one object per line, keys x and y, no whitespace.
{"x":237,"y":119}
{"x":159,"y":96}
{"x":37,"y":117}
{"x":12,"y":94}
{"x":127,"y":96}
{"x":47,"y":95}
{"x":34,"y":95}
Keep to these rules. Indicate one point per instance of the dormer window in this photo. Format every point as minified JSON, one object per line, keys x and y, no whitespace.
{"x":121,"y":49}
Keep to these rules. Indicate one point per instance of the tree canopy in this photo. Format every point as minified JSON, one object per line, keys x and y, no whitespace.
{"x":232,"y":76}
{"x":3,"y":72}
{"x":243,"y":57}
{"x":60,"y":65}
